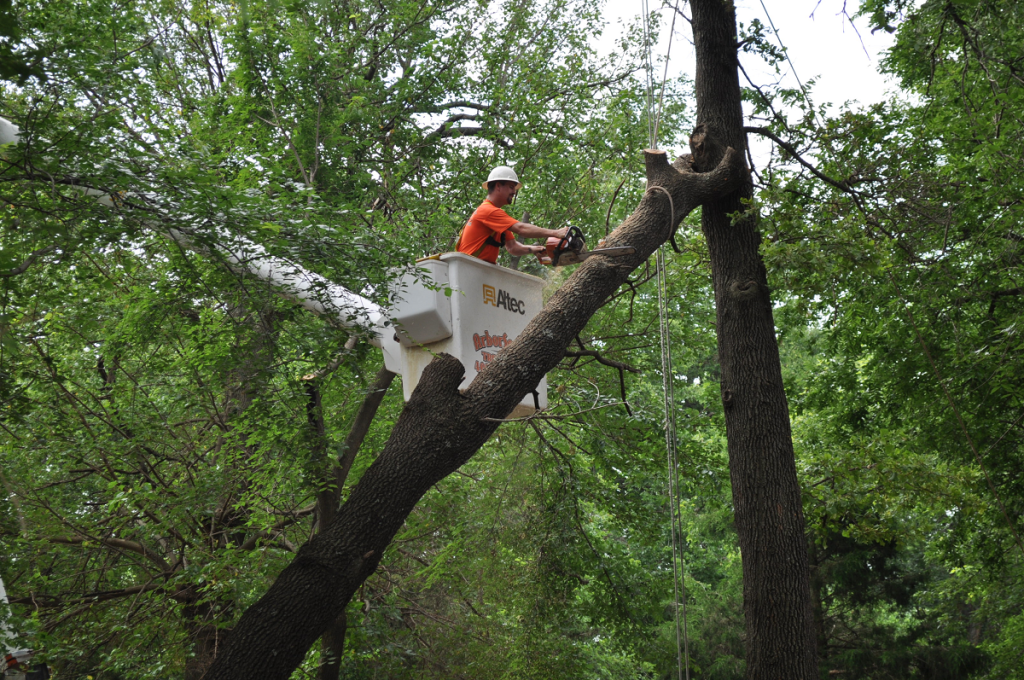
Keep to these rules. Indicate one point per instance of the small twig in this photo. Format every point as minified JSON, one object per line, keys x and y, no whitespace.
{"x":539,"y":416}
{"x":602,"y":360}
{"x":622,"y":388}
{"x":615,"y":195}
{"x":334,"y":363}
{"x":280,"y":526}
{"x":413,"y":556}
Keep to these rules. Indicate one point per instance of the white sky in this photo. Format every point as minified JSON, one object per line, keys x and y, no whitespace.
{"x":823,"y":46}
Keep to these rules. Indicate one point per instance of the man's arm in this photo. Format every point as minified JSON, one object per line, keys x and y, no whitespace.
{"x":515,"y":248}
{"x":527,"y":230}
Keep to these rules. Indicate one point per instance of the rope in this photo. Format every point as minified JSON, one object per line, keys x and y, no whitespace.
{"x":672,"y":222}
{"x":664,"y":78}
{"x":671,"y":203}
{"x":668,"y":389}
{"x":667,"y":372}
{"x":648,"y":71}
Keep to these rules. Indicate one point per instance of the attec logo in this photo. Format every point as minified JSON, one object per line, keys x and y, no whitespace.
{"x":503,"y":299}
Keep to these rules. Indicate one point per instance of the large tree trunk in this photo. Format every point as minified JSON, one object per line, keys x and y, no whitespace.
{"x":766,"y":496}
{"x":440,"y":429}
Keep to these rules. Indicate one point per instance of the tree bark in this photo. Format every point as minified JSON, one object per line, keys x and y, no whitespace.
{"x":780,"y":639}
{"x":441,"y":428}
{"x":332,"y":646}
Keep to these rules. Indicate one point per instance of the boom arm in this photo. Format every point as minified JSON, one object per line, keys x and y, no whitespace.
{"x":11,"y":657}
{"x":308,"y":289}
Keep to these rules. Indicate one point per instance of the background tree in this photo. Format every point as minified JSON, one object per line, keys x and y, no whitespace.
{"x":162,"y":455}
{"x":902,"y":264}
{"x":766,"y":493}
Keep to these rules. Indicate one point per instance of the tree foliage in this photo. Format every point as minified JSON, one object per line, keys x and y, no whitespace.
{"x":902,"y":262}
{"x":160,"y":457}
{"x":158,"y":452}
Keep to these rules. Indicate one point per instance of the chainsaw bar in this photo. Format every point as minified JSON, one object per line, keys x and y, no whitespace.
{"x":610,"y":252}
{"x":572,"y":257}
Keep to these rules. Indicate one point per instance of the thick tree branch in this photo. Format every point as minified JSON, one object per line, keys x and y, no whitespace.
{"x":601,"y":359}
{"x":29,"y":261}
{"x":120,"y":544}
{"x":441,"y":428}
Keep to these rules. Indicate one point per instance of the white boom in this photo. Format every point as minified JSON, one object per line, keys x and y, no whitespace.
{"x":12,"y":657}
{"x":310,"y":290}
{"x":493,"y":306}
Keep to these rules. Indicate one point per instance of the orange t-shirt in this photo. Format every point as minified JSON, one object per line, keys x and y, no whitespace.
{"x":488,"y":221}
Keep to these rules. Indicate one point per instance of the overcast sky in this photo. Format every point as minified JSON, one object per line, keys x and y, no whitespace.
{"x":821,"y":45}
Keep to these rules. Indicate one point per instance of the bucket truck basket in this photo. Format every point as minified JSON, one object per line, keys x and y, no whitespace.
{"x":468,"y":308}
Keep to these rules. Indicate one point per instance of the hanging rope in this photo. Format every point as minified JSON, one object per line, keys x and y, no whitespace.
{"x":667,"y":372}
{"x":668,"y":389}
{"x":672,"y":223}
{"x":664,"y":78}
{"x":648,"y":72}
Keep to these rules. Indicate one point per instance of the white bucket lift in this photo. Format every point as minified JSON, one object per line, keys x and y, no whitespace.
{"x":15,"y":662}
{"x":468,"y":308}
{"x":487,"y":308}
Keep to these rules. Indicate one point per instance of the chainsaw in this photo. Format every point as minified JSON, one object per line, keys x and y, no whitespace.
{"x":572,"y":249}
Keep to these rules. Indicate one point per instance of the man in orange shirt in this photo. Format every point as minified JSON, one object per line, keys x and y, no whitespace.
{"x":488,"y":229}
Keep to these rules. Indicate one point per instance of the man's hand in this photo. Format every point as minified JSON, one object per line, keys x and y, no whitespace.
{"x":515,"y":248}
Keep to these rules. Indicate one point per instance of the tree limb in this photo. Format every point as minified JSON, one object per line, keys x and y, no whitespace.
{"x":454,"y":118}
{"x":602,"y":360}
{"x":44,"y":602}
{"x":120,"y":544}
{"x":842,"y":185}
{"x":459,"y":104}
{"x":29,"y":261}
{"x":442,"y":427}
{"x":361,"y":426}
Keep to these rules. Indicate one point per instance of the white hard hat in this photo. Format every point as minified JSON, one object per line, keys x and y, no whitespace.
{"x":503,"y":173}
